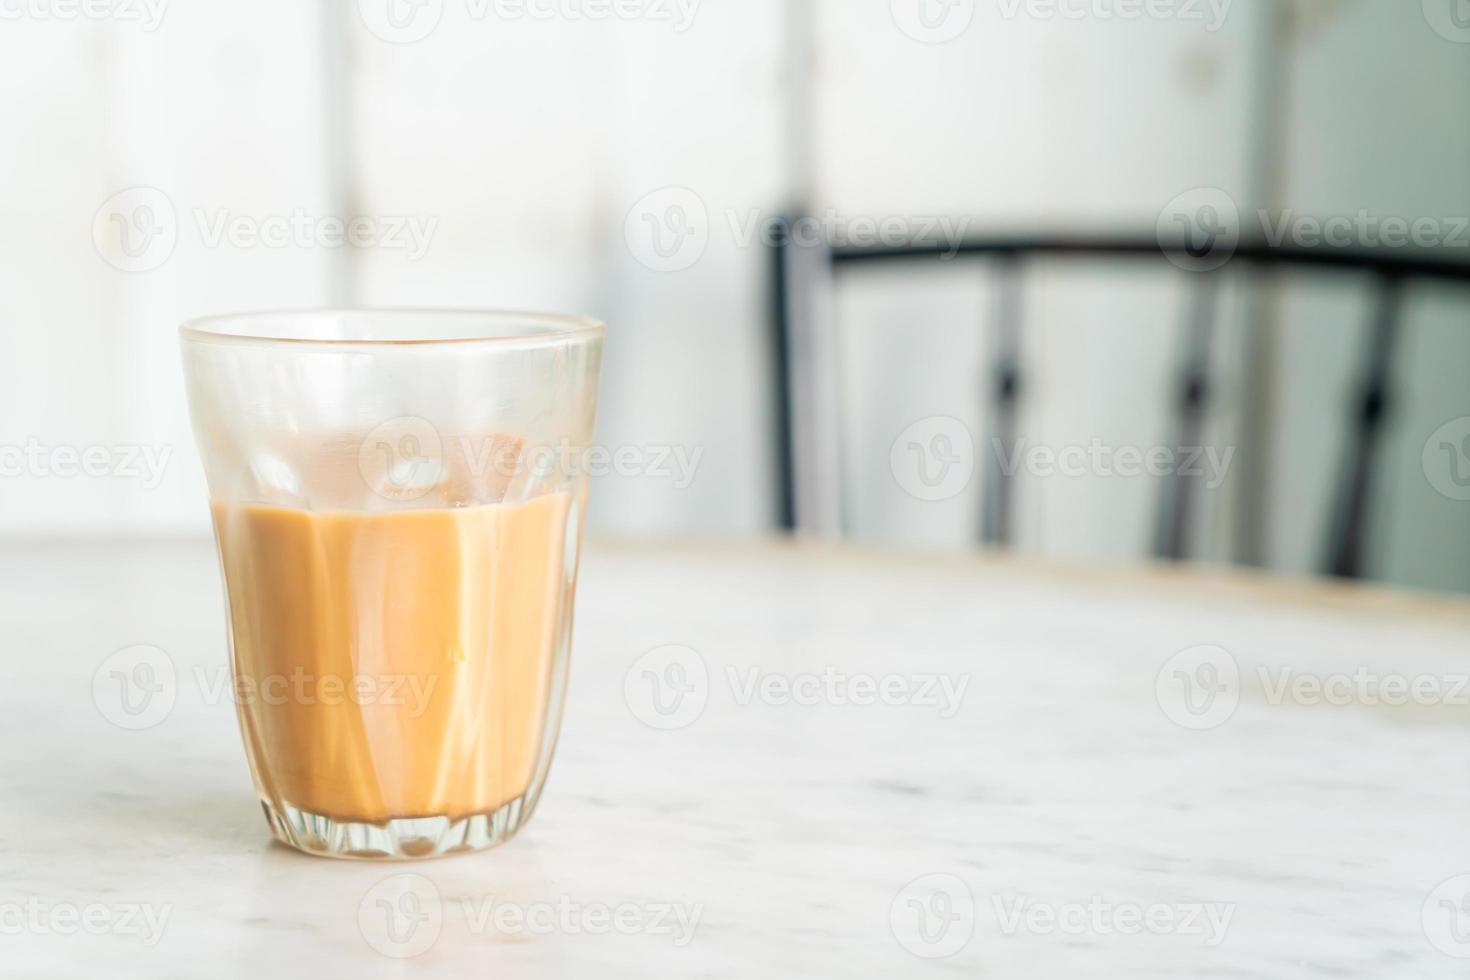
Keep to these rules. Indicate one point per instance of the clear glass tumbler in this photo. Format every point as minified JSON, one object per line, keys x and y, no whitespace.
{"x":397,"y":503}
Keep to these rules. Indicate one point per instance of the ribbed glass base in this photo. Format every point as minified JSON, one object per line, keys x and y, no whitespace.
{"x":396,"y":840}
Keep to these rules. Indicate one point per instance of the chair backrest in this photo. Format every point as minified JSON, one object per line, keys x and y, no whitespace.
{"x":804,"y":337}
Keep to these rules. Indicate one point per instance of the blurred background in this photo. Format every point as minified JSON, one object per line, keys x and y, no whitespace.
{"x":713,"y":179}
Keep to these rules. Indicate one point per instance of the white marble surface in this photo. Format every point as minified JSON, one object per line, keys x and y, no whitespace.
{"x":1058,"y":786}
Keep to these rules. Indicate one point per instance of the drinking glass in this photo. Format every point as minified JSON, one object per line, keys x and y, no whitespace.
{"x":397,"y":503}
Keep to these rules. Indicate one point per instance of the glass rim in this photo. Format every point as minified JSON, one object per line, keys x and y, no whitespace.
{"x":527,"y":328}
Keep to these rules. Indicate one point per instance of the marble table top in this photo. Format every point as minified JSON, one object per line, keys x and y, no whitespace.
{"x":783,"y":761}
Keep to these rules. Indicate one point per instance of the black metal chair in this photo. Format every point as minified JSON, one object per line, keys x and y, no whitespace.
{"x":804,"y":274}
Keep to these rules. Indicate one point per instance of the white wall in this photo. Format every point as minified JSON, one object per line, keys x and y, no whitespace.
{"x":529,"y":143}
{"x":213,"y":111}
{"x":1378,"y":121}
{"x":1022,"y":122}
